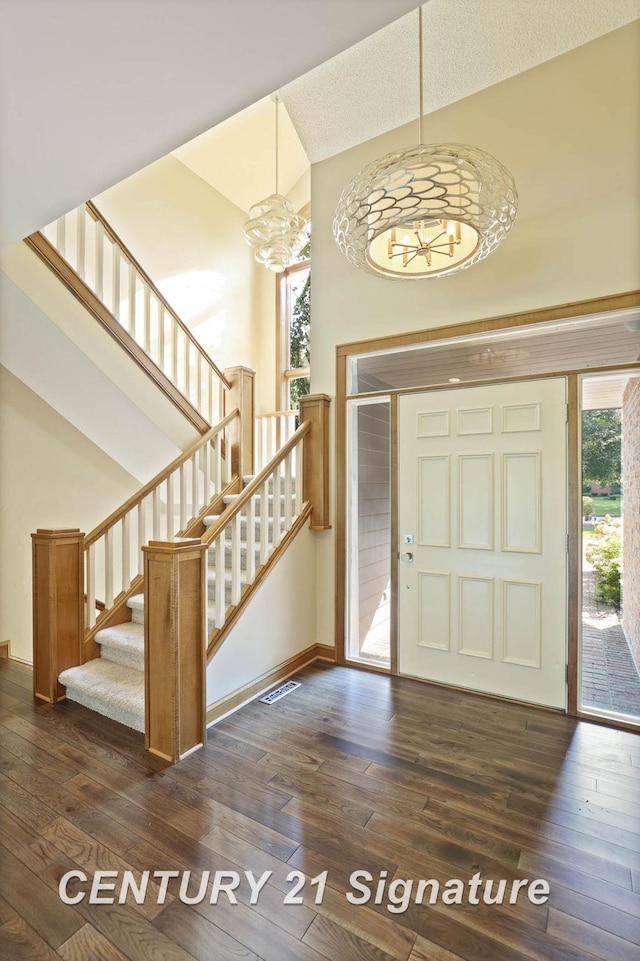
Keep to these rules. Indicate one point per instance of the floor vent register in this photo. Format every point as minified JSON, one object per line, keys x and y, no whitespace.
{"x":280,"y":692}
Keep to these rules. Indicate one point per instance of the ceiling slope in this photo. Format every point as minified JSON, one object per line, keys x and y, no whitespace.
{"x":91,"y":92}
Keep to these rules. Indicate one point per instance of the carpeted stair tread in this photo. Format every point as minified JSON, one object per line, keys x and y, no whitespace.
{"x":123,"y":644}
{"x":108,"y":688}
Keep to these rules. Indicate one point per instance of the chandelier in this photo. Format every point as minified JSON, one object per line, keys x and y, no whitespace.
{"x":426,"y":211}
{"x":275,"y":230}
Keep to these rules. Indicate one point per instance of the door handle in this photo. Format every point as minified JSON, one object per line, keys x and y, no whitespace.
{"x":409,"y":556}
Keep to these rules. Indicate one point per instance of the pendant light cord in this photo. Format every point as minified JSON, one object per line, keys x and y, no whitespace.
{"x":420,"y":140}
{"x":277,"y":102}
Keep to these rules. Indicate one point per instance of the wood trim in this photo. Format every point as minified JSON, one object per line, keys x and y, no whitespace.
{"x":326,"y":652}
{"x":231,"y":702}
{"x":115,"y":239}
{"x":253,"y":487}
{"x":58,"y":607}
{"x":395,"y":538}
{"x":135,"y":499}
{"x":174,"y":647}
{"x":218,"y":635}
{"x":574,"y":528}
{"x":597,"y":305}
{"x":242,"y":396}
{"x":5,"y":649}
{"x":608,"y":722}
{"x":516,"y":379}
{"x":314,"y":409}
{"x":47,"y":253}
{"x":341,"y":507}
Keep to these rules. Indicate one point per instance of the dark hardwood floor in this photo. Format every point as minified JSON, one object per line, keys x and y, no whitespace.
{"x":351,"y":772}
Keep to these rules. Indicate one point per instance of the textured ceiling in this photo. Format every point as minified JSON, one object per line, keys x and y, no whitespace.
{"x":93,"y":90}
{"x":468,"y":45}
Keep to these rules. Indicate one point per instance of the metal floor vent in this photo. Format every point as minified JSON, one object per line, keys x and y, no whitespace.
{"x":280,"y":692}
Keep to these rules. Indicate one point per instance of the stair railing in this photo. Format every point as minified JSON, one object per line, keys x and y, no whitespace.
{"x":164,"y":508}
{"x":275,"y":496}
{"x":97,"y":255}
{"x":272,"y":430}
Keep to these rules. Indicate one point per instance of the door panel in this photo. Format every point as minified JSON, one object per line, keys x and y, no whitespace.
{"x":482,"y":524}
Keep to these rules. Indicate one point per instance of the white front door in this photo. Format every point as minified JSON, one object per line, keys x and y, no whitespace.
{"x":482,"y":524}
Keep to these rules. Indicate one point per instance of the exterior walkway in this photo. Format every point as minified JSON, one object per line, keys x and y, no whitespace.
{"x":610,"y":678}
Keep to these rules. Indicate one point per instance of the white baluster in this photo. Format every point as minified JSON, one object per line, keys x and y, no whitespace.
{"x":108,"y":567}
{"x":206,"y":474}
{"x":170,"y":507}
{"x":146,"y":343}
{"x":142,"y":533}
{"x":115,"y":288}
{"x":251,"y":540}
{"x":161,"y":345}
{"x":185,"y":363}
{"x":133,"y":278}
{"x":277,"y":515}
{"x":264,"y":525}
{"x":126,"y":551}
{"x":174,"y":352}
{"x":155,"y":501}
{"x":236,"y":586}
{"x":212,"y":418}
{"x":80,"y":240}
{"x":219,"y":413}
{"x":91,"y":586}
{"x":99,"y":278}
{"x":217,"y":454}
{"x":183,"y":498}
{"x":288,"y":493}
{"x":188,"y":369}
{"x":221,"y":600}
{"x":199,"y":381}
{"x":61,"y":236}
{"x":195,"y":505}
{"x":263,"y":444}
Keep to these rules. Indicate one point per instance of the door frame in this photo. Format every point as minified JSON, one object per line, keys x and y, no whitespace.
{"x":601,"y":305}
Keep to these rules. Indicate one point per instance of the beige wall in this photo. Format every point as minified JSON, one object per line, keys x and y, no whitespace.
{"x":569,"y":131}
{"x":631,"y":515}
{"x":189,"y":239}
{"x":279,"y":622}
{"x":51,"y":475}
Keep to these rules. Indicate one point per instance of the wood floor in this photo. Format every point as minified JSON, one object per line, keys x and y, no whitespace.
{"x":352,"y":771}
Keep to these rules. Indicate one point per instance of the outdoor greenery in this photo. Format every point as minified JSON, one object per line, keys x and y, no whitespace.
{"x":607,"y":504}
{"x":601,"y":447}
{"x":299,"y":336}
{"x":605,"y":553}
{"x":587,"y":506}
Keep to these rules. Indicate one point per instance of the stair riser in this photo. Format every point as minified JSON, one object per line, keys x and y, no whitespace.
{"x":101,"y":705}
{"x":128,"y":658}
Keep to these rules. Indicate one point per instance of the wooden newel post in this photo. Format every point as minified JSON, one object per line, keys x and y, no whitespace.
{"x":58,"y":607}
{"x":175,"y":644}
{"x":241,"y":396}
{"x":315,"y":408}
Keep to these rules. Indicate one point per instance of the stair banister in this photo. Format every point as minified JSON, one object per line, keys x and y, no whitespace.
{"x":86,"y":254}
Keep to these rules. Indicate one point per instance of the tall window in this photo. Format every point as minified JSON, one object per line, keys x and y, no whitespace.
{"x":294,"y":301}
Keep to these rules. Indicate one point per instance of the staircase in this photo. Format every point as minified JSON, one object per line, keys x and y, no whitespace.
{"x":93,"y":646}
{"x":113,"y":684}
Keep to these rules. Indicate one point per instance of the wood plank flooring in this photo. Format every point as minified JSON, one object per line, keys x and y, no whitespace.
{"x":350,"y":772}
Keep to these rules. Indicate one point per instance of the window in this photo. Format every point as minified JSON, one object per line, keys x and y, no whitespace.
{"x":294,"y":295}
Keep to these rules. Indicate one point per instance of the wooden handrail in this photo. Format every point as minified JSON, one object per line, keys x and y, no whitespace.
{"x":254,"y":486}
{"x":45,"y":250}
{"x":113,"y":236}
{"x":135,"y":499}
{"x":277,"y":413}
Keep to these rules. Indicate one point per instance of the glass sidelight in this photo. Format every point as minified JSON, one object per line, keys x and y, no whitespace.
{"x":368,"y":610}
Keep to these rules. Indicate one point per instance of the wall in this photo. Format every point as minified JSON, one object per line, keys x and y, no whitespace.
{"x":631,"y":515}
{"x":279,"y":622}
{"x":190,"y":240}
{"x":50,"y":476}
{"x":569,"y":131}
